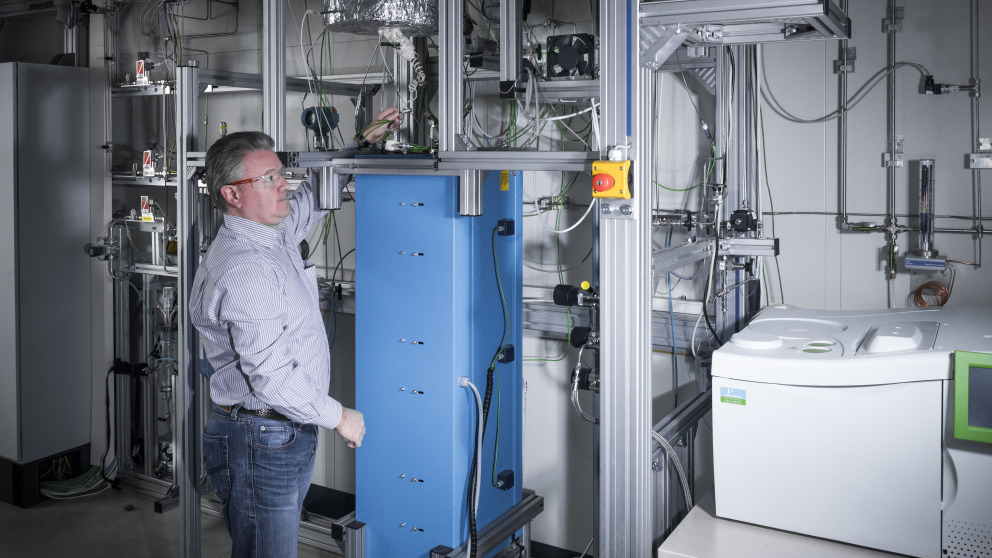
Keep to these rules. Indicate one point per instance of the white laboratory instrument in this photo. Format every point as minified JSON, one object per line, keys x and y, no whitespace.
{"x":840,"y":425}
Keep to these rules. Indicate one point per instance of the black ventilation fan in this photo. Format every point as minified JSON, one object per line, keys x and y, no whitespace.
{"x":571,"y":56}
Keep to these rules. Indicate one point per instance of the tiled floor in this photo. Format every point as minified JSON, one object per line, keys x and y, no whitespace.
{"x":102,"y":526}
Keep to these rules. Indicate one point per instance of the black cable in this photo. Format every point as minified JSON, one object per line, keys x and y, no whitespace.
{"x":706,"y":317}
{"x":334,"y":315}
{"x":472,"y":533}
{"x":487,"y":400}
{"x":502,"y":340}
{"x":106,"y":450}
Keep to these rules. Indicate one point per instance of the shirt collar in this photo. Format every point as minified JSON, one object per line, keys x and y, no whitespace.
{"x":253,"y":230}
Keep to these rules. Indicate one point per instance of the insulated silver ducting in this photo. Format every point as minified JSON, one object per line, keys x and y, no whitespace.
{"x":416,"y":18}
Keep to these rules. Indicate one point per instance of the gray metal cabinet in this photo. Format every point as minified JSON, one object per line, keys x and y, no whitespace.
{"x":45,"y":324}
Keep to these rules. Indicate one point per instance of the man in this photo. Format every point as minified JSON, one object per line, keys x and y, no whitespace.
{"x":255,"y":303}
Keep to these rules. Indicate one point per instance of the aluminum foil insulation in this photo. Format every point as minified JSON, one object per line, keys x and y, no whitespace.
{"x":416,"y":18}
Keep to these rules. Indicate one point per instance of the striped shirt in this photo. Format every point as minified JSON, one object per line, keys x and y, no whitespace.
{"x":255,"y":303}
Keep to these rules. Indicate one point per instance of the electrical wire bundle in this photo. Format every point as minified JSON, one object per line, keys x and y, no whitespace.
{"x":483,"y":403}
{"x":89,"y":483}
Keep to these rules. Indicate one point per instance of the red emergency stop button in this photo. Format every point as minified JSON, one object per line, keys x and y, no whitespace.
{"x":602,"y":182}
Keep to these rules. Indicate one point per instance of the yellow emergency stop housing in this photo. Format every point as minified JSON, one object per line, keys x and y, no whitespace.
{"x":611,"y":179}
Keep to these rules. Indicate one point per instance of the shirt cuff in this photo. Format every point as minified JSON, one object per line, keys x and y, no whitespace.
{"x":330,"y":416}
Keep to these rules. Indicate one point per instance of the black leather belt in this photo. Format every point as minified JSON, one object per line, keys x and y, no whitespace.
{"x":264,"y":413}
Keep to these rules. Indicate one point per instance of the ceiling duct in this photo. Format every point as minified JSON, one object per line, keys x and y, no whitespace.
{"x":416,"y":18}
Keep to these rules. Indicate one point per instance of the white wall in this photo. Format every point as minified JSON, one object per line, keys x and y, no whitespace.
{"x":822,"y":266}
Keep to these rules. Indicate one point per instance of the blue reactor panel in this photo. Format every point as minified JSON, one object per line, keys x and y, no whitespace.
{"x":429,"y":311}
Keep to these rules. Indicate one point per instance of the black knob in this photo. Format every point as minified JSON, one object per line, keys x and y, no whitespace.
{"x":579,"y":336}
{"x":566,"y":295}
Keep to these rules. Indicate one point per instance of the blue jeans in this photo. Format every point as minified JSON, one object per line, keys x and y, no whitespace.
{"x":260,"y":469}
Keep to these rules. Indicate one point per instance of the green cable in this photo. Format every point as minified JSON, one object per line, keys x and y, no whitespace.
{"x":506,"y":336}
{"x":373,"y":127}
{"x":502,"y":300}
{"x":768,"y":188}
{"x":694,"y":186}
{"x":327,"y":227}
{"x":179,"y":39}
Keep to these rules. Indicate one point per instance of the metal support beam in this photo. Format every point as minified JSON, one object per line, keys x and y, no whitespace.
{"x":354,"y":539}
{"x":187,"y":458}
{"x":502,"y":528}
{"x":451,"y":98}
{"x":274,"y":72}
{"x":757,"y":247}
{"x":676,"y":257}
{"x":330,"y":192}
{"x":448,"y":163}
{"x":470,"y":192}
{"x":509,"y":40}
{"x":625,"y":504}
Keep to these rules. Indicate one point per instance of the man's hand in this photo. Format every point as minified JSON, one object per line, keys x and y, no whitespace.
{"x":351,"y":427}
{"x":385,"y":122}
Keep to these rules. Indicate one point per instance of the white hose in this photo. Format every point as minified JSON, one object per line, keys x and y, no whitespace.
{"x":569,"y":229}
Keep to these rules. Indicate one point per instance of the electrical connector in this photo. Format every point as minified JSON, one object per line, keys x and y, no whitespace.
{"x":396,"y":146}
{"x":464,"y":381}
{"x":506,"y":355}
{"x":706,"y":129}
{"x":931,"y":88}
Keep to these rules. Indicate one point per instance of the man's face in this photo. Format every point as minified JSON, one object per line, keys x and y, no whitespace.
{"x":262,"y":201}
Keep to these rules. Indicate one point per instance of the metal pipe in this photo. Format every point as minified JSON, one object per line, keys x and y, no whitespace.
{"x":756,"y":84}
{"x":891,"y":124}
{"x":833,"y":214}
{"x":976,"y":174}
{"x":960,"y":231}
{"x":842,"y":128}
{"x":237,"y":11}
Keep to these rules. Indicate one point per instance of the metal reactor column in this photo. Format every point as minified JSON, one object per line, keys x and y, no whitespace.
{"x":437,"y":296}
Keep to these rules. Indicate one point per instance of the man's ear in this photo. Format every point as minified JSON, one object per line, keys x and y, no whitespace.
{"x":231,"y":194}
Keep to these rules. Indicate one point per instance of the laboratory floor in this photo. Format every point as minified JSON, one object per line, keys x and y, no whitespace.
{"x":116,"y":523}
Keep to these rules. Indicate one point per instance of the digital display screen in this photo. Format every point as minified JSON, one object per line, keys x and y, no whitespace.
{"x":973,"y":396}
{"x":980,"y":396}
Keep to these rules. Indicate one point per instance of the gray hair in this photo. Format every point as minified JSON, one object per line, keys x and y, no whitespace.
{"x":225,"y":158}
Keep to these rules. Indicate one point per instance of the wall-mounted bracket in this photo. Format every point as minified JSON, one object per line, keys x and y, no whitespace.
{"x":845,"y":64}
{"x":894,"y":156}
{"x":893,"y":22}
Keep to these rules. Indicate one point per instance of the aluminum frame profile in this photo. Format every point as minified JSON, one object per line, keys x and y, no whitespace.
{"x":712,"y":22}
{"x":546,"y":320}
{"x":515,"y":519}
{"x":451,"y":162}
{"x":757,"y":247}
{"x":670,"y":259}
{"x":231,"y":81}
{"x":187,"y":401}
{"x":510,"y":40}
{"x":625,"y":504}
{"x":451,"y":96}
{"x":273,"y":72}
